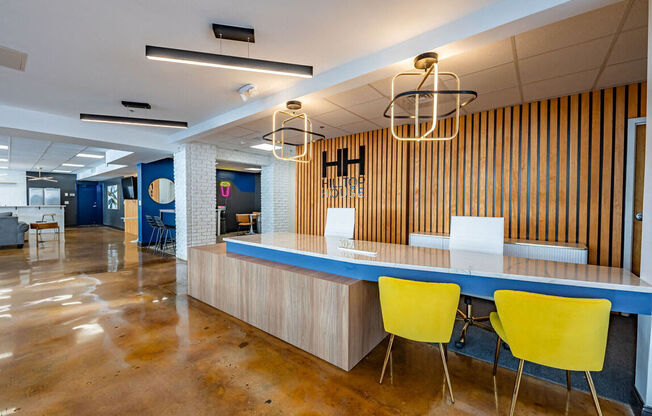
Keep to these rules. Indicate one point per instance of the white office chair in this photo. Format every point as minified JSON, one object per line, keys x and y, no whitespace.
{"x":340,"y":222}
{"x":484,"y":236}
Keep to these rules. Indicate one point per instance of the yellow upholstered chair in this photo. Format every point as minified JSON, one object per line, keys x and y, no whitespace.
{"x":565,"y":333}
{"x":419,"y":311}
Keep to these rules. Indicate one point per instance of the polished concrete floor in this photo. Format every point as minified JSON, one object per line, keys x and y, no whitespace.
{"x":92,"y":325}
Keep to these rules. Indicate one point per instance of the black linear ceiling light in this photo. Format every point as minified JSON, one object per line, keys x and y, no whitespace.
{"x":235,"y":33}
{"x":99,"y":118}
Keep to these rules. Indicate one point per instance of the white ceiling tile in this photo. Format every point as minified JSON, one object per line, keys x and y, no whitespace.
{"x":370,"y":110}
{"x":493,"y":79}
{"x":564,"y":61}
{"x":384,"y":86}
{"x":561,"y":86}
{"x":625,"y":73}
{"x":495,"y":99}
{"x":235,"y":132}
{"x":478,"y":59}
{"x":637,"y":16}
{"x":355,"y":96}
{"x":380,"y":121}
{"x":581,"y":28}
{"x":315,"y":106}
{"x":330,"y":132}
{"x":360,"y":126}
{"x":262,"y":125}
{"x":629,"y":46}
{"x":337,"y":118}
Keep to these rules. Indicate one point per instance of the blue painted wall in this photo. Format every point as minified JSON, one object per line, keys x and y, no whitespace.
{"x":244,"y":195}
{"x":147,"y":173}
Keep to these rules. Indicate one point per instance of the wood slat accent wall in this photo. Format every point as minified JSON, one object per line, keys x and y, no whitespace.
{"x":553,"y":168}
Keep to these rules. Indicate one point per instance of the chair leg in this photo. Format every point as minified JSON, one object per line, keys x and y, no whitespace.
{"x":593,"y":393}
{"x":448,"y":379}
{"x":497,"y":354}
{"x":519,"y":374}
{"x":568,"y":380}
{"x":389,"y":351}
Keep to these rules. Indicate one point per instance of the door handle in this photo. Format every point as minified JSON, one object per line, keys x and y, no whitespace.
{"x":638,"y":216}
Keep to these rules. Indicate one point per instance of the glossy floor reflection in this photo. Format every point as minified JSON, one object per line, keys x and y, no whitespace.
{"x":94,"y":325}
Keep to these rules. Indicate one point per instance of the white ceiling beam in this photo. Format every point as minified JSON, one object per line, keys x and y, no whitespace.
{"x":35,"y":123}
{"x":499,"y":20}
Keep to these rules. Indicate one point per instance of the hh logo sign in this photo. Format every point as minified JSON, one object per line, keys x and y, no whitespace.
{"x":345,"y":184}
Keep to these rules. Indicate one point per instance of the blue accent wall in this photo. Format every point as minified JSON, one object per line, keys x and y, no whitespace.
{"x":147,"y":173}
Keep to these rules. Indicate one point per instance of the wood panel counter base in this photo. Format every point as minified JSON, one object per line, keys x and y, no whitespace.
{"x":335,"y":318}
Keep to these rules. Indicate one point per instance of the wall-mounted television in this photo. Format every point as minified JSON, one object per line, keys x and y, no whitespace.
{"x":129,"y":190}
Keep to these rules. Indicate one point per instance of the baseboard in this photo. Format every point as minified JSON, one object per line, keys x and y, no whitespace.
{"x":638,"y":407}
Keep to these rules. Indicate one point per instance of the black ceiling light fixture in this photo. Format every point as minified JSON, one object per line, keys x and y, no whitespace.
{"x":134,"y":104}
{"x":101,"y":118}
{"x":235,"y":33}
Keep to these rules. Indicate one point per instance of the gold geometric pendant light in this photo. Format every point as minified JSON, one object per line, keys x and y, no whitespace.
{"x":280,"y":136}
{"x":426,"y":94}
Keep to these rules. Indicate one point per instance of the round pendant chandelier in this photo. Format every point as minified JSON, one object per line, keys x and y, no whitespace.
{"x":299,"y":135}
{"x":421,"y":103}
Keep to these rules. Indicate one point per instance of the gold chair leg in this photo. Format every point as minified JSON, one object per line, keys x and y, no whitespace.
{"x":519,"y":374}
{"x":389,"y":350}
{"x":593,"y":393}
{"x":568,"y":380}
{"x":497,"y":354}
{"x":448,"y":379}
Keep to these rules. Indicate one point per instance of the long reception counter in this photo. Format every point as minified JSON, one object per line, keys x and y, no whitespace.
{"x":319,"y":293}
{"x":477,"y":274}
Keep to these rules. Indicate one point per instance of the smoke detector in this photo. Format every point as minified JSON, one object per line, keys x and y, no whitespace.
{"x":247,"y":90}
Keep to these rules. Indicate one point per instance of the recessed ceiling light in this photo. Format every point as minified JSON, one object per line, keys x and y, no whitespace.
{"x":100,"y":118}
{"x":4,"y":146}
{"x":90,"y":156}
{"x":255,"y":169}
{"x":61,"y":171}
{"x":72,"y":165}
{"x":4,"y":160}
{"x":182,"y":56}
{"x":265,"y":146}
{"x":4,"y":167}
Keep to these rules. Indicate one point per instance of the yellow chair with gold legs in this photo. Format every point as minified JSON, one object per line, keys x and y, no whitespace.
{"x":419,"y":311}
{"x":565,"y":333}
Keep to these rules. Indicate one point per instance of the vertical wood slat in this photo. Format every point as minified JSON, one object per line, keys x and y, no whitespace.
{"x":554,"y":169}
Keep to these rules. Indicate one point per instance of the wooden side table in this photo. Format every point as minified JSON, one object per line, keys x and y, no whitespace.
{"x":38,"y":226}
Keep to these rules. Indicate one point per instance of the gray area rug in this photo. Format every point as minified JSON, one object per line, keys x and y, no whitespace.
{"x":615,"y":381}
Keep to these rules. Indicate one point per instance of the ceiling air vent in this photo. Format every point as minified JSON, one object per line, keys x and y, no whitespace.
{"x":12,"y":59}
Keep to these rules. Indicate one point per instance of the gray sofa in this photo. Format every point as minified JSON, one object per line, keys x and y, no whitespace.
{"x":12,"y":232}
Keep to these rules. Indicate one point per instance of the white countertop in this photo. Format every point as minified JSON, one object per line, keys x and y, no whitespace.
{"x":447,"y":261}
{"x":32,"y":206}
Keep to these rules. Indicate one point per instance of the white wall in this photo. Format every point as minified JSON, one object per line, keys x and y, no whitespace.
{"x":643,"y":379}
{"x":13,"y":194}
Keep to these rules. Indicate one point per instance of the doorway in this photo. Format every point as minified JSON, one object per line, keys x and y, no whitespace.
{"x":89,"y":204}
{"x":635,"y":175}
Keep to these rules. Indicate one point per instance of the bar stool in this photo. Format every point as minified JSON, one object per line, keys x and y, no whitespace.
{"x":52,"y":217}
{"x":166,"y":230}
{"x":565,"y":333}
{"x":419,"y":311}
{"x":155,"y":230}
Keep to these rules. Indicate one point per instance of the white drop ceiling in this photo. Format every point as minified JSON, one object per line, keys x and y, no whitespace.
{"x":602,"y":48}
{"x":29,"y":154}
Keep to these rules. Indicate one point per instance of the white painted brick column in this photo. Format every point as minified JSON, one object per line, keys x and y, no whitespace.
{"x":195,"y":189}
{"x":278,"y":187}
